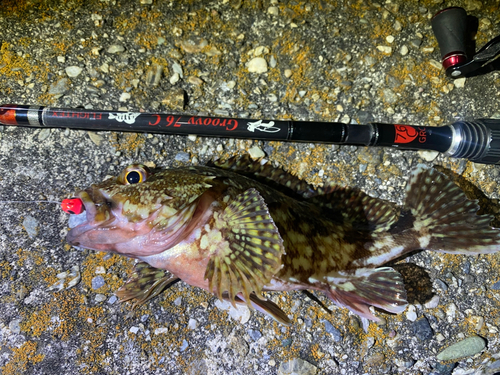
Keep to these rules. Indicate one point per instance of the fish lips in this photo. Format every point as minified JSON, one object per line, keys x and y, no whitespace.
{"x":92,"y":234}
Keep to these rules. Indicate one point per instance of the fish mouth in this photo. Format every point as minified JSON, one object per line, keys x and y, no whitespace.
{"x":79,"y":235}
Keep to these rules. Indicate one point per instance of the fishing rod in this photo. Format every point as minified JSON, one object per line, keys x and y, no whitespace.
{"x":477,"y":140}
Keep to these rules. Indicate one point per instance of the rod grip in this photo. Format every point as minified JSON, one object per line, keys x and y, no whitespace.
{"x":450,"y":29}
{"x":479,"y":140}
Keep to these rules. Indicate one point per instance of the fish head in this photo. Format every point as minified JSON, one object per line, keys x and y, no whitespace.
{"x":140,"y":213}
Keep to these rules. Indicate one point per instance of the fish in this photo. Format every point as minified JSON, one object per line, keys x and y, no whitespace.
{"x":241,"y":227}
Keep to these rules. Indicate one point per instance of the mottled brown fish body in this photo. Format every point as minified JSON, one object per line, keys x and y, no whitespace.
{"x":243,"y":227}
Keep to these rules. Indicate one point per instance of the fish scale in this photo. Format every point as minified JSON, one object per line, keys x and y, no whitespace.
{"x":241,"y":227}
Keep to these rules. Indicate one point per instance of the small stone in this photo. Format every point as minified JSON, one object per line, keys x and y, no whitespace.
{"x":178,"y":301}
{"x":177,"y":68}
{"x":184,"y":345}
{"x":411,"y":314}
{"x":385,"y":49}
{"x":153,"y":75}
{"x":254,"y":334}
{"x":389,"y":39}
{"x":73,"y":71}
{"x":159,"y":331}
{"x":115,"y":48}
{"x":124,"y":97}
{"x":496,"y":286}
{"x":337,"y":336}
{"x":59,"y":87}
{"x":257,"y":65}
{"x":100,"y":298}
{"x":240,"y":313}
{"x":256,"y":152}
{"x":44,"y":134}
{"x":459,"y":83}
{"x":112,"y":299}
{"x":422,"y":329}
{"x":428,"y":155}
{"x":287,"y":73}
{"x":98,"y":282}
{"x":195,"y":81}
{"x":30,"y":224}
{"x":465,"y":348}
{"x":297,"y":366}
{"x":404,"y":50}
{"x":273,"y":11}
{"x":134,"y":330}
{"x":175,"y":78}
{"x":433,"y":302}
{"x":182,"y":157}
{"x":194,"y":45}
{"x":14,"y":326}
{"x":95,"y":138}
{"x":192,"y":324}
{"x":61,"y":59}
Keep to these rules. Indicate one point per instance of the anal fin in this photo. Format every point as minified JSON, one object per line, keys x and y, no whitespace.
{"x":358,"y":290}
{"x":145,"y":283}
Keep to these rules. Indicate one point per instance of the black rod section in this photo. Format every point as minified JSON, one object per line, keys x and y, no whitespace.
{"x":477,"y":140}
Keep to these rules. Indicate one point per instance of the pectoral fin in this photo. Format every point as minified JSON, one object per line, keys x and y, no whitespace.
{"x":146,"y":282}
{"x":250,"y":251}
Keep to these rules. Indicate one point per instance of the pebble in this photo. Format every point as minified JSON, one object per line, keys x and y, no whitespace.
{"x":159,"y":331}
{"x":100,"y":298}
{"x":177,"y":69}
{"x":465,"y":348}
{"x":124,"y":97}
{"x":182,"y":157}
{"x":385,"y":49}
{"x":175,"y":78}
{"x":134,"y":330}
{"x":153,"y":75}
{"x":240,"y":314}
{"x":257,"y":65}
{"x":433,"y":302}
{"x":59,"y":87}
{"x":411,"y":314}
{"x":115,"y":48}
{"x":98,"y":282}
{"x":194,"y":45}
{"x":254,"y":334}
{"x":297,"y":366}
{"x":428,"y":155}
{"x":422,"y":329}
{"x":14,"y":326}
{"x":30,"y":224}
{"x":496,"y":286}
{"x":192,"y":324}
{"x":73,"y":71}
{"x":404,"y":50}
{"x":112,"y":299}
{"x":287,"y":73}
{"x":451,"y":311}
{"x":178,"y":301}
{"x":184,"y":345}
{"x":44,"y":134}
{"x":459,"y":83}
{"x":273,"y":11}
{"x":95,"y":138}
{"x":256,"y":152}
{"x":337,"y":336}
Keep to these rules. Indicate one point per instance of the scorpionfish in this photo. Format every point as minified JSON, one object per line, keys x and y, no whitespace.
{"x":241,"y":227}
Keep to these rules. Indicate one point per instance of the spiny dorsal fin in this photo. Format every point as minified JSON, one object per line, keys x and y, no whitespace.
{"x":251,"y":251}
{"x":365,"y":212}
{"x":265,"y":171}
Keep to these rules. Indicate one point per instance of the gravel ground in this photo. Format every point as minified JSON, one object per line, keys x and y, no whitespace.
{"x":348,"y":61}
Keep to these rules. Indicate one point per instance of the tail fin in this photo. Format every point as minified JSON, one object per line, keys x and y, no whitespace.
{"x":445,"y":219}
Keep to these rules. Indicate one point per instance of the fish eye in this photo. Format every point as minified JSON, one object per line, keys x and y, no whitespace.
{"x":133,"y":177}
{"x":133,"y":174}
